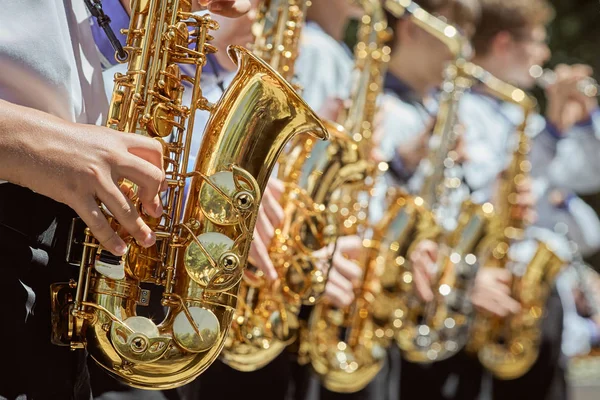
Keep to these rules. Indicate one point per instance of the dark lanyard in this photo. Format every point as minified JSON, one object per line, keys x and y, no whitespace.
{"x":95,"y":8}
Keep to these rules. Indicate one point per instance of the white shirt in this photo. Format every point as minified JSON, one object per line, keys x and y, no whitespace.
{"x":49,"y":61}
{"x":324,"y":67}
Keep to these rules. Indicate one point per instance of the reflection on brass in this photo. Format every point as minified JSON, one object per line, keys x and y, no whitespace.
{"x":204,"y":235}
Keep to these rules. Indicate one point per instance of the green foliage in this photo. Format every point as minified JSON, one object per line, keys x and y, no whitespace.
{"x":575,"y":32}
{"x":574,"y":36}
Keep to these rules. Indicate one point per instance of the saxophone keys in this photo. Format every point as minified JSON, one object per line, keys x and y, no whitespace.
{"x":209,"y":258}
{"x":138,"y":340}
{"x":196,"y":330}
{"x":225,"y":195}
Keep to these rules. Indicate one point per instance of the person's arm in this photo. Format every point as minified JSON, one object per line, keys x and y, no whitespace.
{"x":576,"y":161}
{"x":577,"y":335}
{"x":78,"y":164}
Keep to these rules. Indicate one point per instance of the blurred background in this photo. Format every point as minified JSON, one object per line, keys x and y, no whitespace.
{"x":575,"y":38}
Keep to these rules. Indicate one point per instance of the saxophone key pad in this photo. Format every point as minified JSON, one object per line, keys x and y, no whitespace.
{"x":138,"y":340}
{"x":223,"y":206}
{"x":199,"y":334}
{"x":219,"y":267}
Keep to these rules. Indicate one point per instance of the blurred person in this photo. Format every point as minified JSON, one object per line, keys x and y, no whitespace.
{"x":416,"y":71}
{"x":509,"y":40}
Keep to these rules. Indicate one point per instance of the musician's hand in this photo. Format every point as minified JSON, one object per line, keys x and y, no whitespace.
{"x":524,"y":209}
{"x":331,"y":108}
{"x":581,"y":303}
{"x":226,"y":8}
{"x":345,"y":275}
{"x":491,"y":292}
{"x":270,"y":217}
{"x":79,"y":164}
{"x":423,"y":259}
{"x":460,"y":151}
{"x":526,"y":201}
{"x":566,"y":104}
{"x":232,"y":31}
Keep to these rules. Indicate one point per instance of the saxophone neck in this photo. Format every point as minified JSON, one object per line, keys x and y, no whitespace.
{"x":519,"y":167}
{"x":372,"y":56}
{"x":443,"y":138}
{"x":457,"y":43}
{"x":277,"y":32}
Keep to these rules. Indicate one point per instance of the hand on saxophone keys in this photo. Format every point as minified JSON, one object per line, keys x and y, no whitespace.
{"x":525,"y":202}
{"x":270,"y":217}
{"x":423,"y":259}
{"x":227,"y":8}
{"x":491,"y":292}
{"x":95,"y":175}
{"x":344,"y":274}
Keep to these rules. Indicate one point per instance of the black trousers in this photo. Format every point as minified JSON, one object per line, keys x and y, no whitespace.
{"x":546,"y":379}
{"x":460,"y":377}
{"x":33,"y":232}
{"x":222,"y":382}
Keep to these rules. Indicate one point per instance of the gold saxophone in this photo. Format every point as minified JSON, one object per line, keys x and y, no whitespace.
{"x":439,"y":329}
{"x":202,"y":241}
{"x":420,"y":331}
{"x":266,"y":319}
{"x":509,"y":347}
{"x":342,"y":347}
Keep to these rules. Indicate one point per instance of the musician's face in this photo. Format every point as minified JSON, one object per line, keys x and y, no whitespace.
{"x":524,"y":51}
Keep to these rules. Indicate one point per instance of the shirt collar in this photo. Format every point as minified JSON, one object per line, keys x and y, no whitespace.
{"x":400,"y":88}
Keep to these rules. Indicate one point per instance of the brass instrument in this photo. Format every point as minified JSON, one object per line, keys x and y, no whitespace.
{"x":433,"y":331}
{"x":511,"y":347}
{"x":508,"y":348}
{"x":457,"y":43}
{"x":266,"y":319}
{"x":343,"y":349}
{"x":202,"y":241}
{"x":545,"y":77}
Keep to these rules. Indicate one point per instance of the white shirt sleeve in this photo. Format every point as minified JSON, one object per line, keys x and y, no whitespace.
{"x":577,"y":161}
{"x":485,"y":142}
{"x":576,"y":337}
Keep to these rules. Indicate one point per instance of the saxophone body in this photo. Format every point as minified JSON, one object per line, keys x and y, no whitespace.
{"x":439,"y":329}
{"x":509,"y":347}
{"x":342,"y":346}
{"x":512,"y":347}
{"x":203,"y":237}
